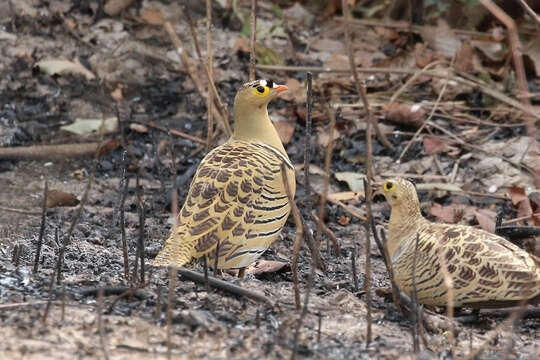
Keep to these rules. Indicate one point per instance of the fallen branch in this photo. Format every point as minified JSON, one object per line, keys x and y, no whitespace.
{"x":224,"y":285}
{"x":48,"y":152}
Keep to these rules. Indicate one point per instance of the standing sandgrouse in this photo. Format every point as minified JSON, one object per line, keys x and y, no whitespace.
{"x":237,"y":198}
{"x":486,"y":270}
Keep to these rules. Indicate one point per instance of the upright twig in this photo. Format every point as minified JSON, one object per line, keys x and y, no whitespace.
{"x":307,"y":144}
{"x":367,"y":285}
{"x":99,"y":306}
{"x":124,"y":189}
{"x":348,"y":43}
{"x":210,"y":65}
{"x":304,"y":309}
{"x":42,"y":227}
{"x":252,"y":40}
{"x":140,"y":239}
{"x":353,"y":268}
{"x":51,"y":284}
{"x":216,"y":259}
{"x":172,"y":285}
{"x":298,"y":237}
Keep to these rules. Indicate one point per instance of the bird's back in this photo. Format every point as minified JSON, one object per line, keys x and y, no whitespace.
{"x":237,"y":199}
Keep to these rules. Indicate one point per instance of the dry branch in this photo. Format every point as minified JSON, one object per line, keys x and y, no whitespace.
{"x":48,"y":152}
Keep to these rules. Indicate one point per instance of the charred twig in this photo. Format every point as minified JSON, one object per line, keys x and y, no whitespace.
{"x":252,"y":40}
{"x":42,"y":227}
{"x":348,"y":43}
{"x":216,"y":259}
{"x":304,"y":309}
{"x":121,"y":291}
{"x":103,"y":343}
{"x":51,"y":283}
{"x":210,"y":64}
{"x":172,"y":284}
{"x":224,"y":285}
{"x":476,"y":84}
{"x":353,"y":268}
{"x":47,"y":152}
{"x":16,"y":255}
{"x":140,"y":239}
{"x":330,"y":234}
{"x":319,"y":326}
{"x":307,"y":150}
{"x":124,"y":188}
{"x":205,"y":269}
{"x":298,"y":238}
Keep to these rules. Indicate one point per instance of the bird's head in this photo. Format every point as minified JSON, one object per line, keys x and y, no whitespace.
{"x":399,"y":191}
{"x":258,"y":93}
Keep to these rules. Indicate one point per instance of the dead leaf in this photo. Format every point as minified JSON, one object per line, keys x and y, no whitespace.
{"x":493,"y":51}
{"x":344,"y":220}
{"x":354,"y":180}
{"x":152,"y":17}
{"x":64,"y":67}
{"x":447,"y":214}
{"x":91,"y":126}
{"x":59,"y":198}
{"x":517,"y":194}
{"x":405,"y":114}
{"x":268,"y":266}
{"x":435,"y":145}
{"x":296,"y":92}
{"x":486,"y":219}
{"x":316,"y":116}
{"x":328,"y":45}
{"x":285,"y":130}
{"x":464,"y":58}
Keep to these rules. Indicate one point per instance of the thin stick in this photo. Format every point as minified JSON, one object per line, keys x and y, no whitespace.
{"x":388,"y":262}
{"x":362,"y":93}
{"x":253,"y":38}
{"x":216,"y":259}
{"x":42,"y":227}
{"x":172,"y":285}
{"x":179,"y":133}
{"x":51,"y":283}
{"x":298,"y":237}
{"x":224,"y":285}
{"x":304,"y":309}
{"x":20,"y":211}
{"x":353,"y":268}
{"x":124,"y":188}
{"x":307,"y":146}
{"x":326,"y":230}
{"x":205,"y":268}
{"x":210,"y":65}
{"x":476,"y":84}
{"x":103,"y":343}
{"x":48,"y":152}
{"x":530,"y":11}
{"x":140,"y":239}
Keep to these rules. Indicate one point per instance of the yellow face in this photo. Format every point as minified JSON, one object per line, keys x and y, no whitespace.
{"x":395,"y":190}
{"x":259,"y":92}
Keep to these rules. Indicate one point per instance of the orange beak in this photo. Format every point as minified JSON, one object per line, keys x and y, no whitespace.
{"x":281,"y":88}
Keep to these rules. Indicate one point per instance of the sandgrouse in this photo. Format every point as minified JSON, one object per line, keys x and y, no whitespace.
{"x":486,"y":270}
{"x":237,"y":198}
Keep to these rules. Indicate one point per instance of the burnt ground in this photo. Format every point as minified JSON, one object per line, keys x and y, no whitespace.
{"x":125,"y":51}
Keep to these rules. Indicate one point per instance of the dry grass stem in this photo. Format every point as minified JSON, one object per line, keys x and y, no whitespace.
{"x":124,"y":185}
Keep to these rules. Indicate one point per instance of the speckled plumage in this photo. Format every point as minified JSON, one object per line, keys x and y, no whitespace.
{"x":486,"y":269}
{"x":237,"y":197}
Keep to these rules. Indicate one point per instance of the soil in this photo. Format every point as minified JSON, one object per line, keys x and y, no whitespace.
{"x":206,"y":323}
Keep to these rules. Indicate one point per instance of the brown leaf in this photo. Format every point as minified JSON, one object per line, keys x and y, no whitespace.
{"x":268,"y":266}
{"x":345,"y":196}
{"x":441,"y":38}
{"x":295,"y":93}
{"x":59,"y":198}
{"x":486,"y":219}
{"x":344,"y":220}
{"x":434,"y":145}
{"x":301,"y":113}
{"x":464,"y":58}
{"x":405,"y":114}
{"x":517,"y":194}
{"x":285,"y":130}
{"x":446,"y":214}
{"x":152,"y":17}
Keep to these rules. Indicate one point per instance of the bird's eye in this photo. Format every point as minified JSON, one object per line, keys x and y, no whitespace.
{"x":389,"y":186}
{"x":260,"y":89}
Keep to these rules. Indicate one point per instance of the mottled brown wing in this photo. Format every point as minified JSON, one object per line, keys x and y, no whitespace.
{"x":236,"y":199}
{"x":484,"y":268}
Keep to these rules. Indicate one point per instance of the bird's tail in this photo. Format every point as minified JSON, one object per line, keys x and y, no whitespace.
{"x":176,"y":251}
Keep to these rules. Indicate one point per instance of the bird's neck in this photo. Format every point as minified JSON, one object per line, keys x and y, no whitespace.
{"x":253,"y":124}
{"x":405,"y":220}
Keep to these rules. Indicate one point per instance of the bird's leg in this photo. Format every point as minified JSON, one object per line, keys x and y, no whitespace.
{"x":241,"y":273}
{"x":472,"y":318}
